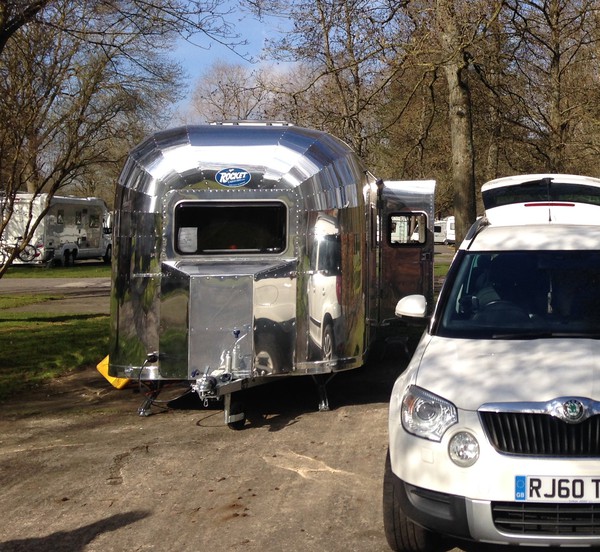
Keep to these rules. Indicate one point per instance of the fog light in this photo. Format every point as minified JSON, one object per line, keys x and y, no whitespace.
{"x":463,"y":449}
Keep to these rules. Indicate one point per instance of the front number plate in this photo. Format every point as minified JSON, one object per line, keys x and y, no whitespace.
{"x":557,"y":489}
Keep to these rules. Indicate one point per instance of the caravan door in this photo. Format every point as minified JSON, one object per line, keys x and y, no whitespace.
{"x":406,"y":243}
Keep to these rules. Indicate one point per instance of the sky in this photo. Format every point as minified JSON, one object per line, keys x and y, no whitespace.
{"x":197,"y":60}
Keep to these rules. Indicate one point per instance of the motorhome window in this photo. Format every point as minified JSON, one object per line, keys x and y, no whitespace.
{"x":541,"y":190}
{"x":60,"y":216}
{"x":94,"y":221}
{"x":407,"y":229}
{"x":203,"y":228}
{"x":78,"y":217}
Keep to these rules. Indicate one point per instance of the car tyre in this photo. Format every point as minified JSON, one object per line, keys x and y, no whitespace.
{"x":402,"y":534}
{"x":328,"y":343}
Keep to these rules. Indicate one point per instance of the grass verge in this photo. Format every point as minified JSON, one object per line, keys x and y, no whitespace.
{"x":14,"y":301}
{"x":83,"y":270}
{"x":37,"y":347}
{"x":440,"y":269}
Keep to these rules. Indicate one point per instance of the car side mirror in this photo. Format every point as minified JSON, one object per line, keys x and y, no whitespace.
{"x":413,"y":306}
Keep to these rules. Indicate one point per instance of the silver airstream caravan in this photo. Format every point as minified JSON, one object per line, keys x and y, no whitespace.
{"x":245,"y":252}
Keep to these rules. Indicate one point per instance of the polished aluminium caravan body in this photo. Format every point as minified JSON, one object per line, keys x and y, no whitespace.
{"x":244,"y":252}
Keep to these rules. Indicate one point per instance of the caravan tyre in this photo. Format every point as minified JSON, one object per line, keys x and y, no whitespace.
{"x":237,"y":407}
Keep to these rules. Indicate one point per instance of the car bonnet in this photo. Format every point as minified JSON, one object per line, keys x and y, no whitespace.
{"x":471,"y":372}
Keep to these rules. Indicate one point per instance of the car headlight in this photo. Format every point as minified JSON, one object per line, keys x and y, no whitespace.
{"x":426,"y":415}
{"x":463,"y":449}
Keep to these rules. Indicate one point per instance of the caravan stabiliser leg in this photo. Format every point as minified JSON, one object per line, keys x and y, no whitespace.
{"x":154,"y":389}
{"x":322,"y":381}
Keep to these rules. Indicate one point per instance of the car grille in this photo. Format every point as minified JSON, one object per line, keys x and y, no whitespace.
{"x":547,"y":519}
{"x":541,"y":434}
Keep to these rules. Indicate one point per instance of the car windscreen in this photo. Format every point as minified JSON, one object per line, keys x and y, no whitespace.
{"x":522,"y":294}
{"x":209,"y":228}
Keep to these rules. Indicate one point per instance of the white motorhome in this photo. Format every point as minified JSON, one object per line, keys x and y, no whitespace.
{"x":71,"y":228}
{"x":444,"y":231}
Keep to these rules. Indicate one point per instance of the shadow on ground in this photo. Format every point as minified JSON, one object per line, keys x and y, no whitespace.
{"x":75,"y":540}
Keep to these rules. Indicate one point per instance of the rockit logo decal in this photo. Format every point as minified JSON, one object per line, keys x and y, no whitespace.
{"x":233,"y":177}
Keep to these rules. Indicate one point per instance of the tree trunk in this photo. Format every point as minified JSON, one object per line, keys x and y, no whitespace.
{"x":463,"y":159}
{"x":460,"y":116}
{"x":558,"y":124}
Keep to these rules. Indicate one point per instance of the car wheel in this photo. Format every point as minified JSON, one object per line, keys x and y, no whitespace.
{"x":402,"y":534}
{"x":328,"y":343}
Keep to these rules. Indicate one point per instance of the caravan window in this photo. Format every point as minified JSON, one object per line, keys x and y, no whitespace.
{"x":407,"y":229}
{"x":212,"y":228}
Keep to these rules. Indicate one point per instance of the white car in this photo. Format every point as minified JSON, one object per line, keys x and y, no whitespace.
{"x":494,"y":427}
{"x":325,"y":287}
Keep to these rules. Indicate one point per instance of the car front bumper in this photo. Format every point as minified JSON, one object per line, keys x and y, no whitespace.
{"x":499,"y":522}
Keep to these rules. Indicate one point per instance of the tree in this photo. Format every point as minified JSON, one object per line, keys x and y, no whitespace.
{"x":458,"y":90}
{"x":551,"y":81}
{"x":358,"y":50}
{"x":81,"y":82}
{"x":342,"y":47}
{"x":455,"y":62}
{"x":151,"y":19}
{"x":460,"y":26}
{"x":231,"y":91}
